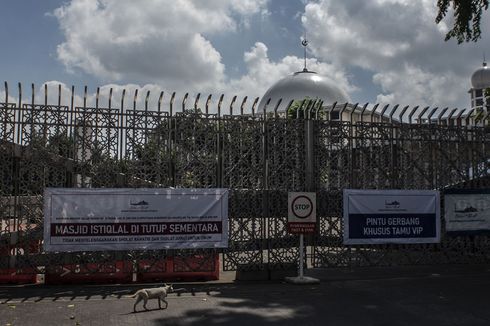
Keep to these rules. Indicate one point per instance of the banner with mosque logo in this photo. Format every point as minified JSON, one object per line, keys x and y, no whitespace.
{"x":134,"y":219}
{"x":391,"y":216}
{"x":467,"y":211}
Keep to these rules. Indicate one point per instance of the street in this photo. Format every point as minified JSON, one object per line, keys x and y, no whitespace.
{"x":456,"y":297}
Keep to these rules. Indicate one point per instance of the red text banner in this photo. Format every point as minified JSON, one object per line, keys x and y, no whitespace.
{"x":128,"y":219}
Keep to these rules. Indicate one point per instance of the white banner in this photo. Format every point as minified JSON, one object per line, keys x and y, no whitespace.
{"x":391,"y":216}
{"x":134,"y":219}
{"x":467,"y":211}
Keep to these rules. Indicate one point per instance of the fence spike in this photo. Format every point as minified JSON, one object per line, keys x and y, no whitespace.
{"x":429,"y":117}
{"x":310,"y":107}
{"x":6,"y":87}
{"x":382,"y":113}
{"x":307,"y":108}
{"x":450,"y":115}
{"x":59,"y":95}
{"x":135,"y":98}
{"x":172,"y":98}
{"x":231,"y":104}
{"x":20,"y":94}
{"x":160,"y":98}
{"x":72,"y":107}
{"x":219,"y":104}
{"x":45,"y":95}
{"x":110,"y":98}
{"x":146,"y":100}
{"x":412,"y":112}
{"x":468,"y":117}
{"x":72,"y":99}
{"x":207,"y":103}
{"x":351,"y":116}
{"x":33,"y":92}
{"x":393,"y":112}
{"x":461,"y":113}
{"x":439,"y":116}
{"x":400,"y":116}
{"x":85,"y":97}
{"x":318,"y":108}
{"x":328,"y":112}
{"x":243,"y":105}
{"x":458,"y":117}
{"x":362,"y":111}
{"x":421,"y":114}
{"x":97,"y":98}
{"x":122,"y":99}
{"x":254,"y":104}
{"x":19,"y":114}
{"x":373,"y":111}
{"x":184,"y":100}
{"x":300,"y":107}
{"x":196,"y":102}
{"x":276,"y":107}
{"x":264,"y":109}
{"x":289,"y":106}
{"x":342,"y":111}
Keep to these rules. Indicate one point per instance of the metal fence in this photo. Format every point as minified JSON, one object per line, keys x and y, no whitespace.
{"x":259,"y":157}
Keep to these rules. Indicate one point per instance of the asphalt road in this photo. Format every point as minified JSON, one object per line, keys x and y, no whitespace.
{"x":422,"y":297}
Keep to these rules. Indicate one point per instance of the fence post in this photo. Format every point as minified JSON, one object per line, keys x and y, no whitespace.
{"x":309,"y":157}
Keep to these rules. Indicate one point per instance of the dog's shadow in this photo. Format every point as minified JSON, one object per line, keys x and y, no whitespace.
{"x":140,"y":311}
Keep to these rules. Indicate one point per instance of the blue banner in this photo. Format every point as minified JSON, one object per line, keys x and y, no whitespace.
{"x":391,"y":216}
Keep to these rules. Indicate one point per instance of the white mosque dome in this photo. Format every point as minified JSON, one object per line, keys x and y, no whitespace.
{"x":481,"y":77}
{"x":301,"y":85}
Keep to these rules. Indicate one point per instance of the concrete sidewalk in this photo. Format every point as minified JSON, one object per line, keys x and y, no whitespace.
{"x":428,"y":295}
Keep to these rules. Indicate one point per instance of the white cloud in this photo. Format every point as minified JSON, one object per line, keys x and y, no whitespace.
{"x":399,"y":42}
{"x":11,"y":99}
{"x":160,"y":42}
{"x":165,"y":45}
{"x":417,"y":87}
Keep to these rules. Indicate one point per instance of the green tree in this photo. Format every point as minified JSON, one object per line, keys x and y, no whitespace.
{"x":467,"y":18}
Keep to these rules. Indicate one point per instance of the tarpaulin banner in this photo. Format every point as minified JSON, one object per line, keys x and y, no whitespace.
{"x":467,"y":211}
{"x":391,"y":216}
{"x":130,"y":219}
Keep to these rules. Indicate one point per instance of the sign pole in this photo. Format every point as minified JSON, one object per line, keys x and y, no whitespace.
{"x":301,"y":220}
{"x":301,"y":255}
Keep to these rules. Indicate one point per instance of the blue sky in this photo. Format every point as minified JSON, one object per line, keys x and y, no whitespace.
{"x":388,"y":51}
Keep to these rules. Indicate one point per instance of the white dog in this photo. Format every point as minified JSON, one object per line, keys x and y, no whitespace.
{"x":153,"y":293}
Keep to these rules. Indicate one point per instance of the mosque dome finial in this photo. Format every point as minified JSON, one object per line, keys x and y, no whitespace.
{"x":304,"y":43}
{"x":301,"y":85}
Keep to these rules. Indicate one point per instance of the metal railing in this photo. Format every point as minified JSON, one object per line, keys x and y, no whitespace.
{"x":258,"y":153}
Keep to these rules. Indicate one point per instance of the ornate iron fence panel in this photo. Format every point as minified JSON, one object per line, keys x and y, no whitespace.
{"x":242,"y":158}
{"x":195,"y":146}
{"x":259,"y":157}
{"x":403,"y":156}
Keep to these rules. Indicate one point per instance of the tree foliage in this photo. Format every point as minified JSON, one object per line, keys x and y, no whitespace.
{"x":467,"y":18}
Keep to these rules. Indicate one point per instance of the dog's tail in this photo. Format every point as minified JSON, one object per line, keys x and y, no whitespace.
{"x":132,"y":295}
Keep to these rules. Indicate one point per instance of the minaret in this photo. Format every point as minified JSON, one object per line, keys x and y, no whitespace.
{"x":480,"y":88}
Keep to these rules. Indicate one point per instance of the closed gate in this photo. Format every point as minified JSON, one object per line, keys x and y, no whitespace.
{"x":259,"y":157}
